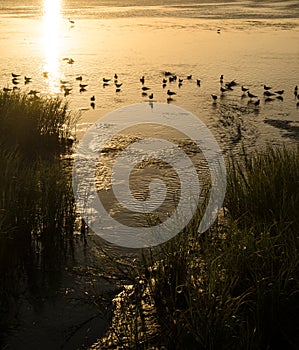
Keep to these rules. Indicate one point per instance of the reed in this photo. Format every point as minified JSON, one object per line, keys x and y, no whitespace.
{"x":36,"y":205}
{"x":237,"y":285}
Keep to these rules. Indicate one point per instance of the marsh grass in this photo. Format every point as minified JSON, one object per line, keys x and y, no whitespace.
{"x":36,"y":126}
{"x":237,"y":285}
{"x":36,"y":204}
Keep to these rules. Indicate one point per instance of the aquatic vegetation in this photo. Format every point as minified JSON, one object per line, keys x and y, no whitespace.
{"x":37,"y":212}
{"x":235,"y":286}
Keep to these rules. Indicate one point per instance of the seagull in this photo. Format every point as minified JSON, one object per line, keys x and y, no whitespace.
{"x":269,"y":99}
{"x":267,"y":87}
{"x":257,"y":103}
{"x":279,"y":92}
{"x":268,"y":93}
{"x":214,"y":97}
{"x":250,"y":95}
{"x":144,"y":88}
{"x":142,"y":80}
{"x":33,"y":92}
{"x":170,"y":93}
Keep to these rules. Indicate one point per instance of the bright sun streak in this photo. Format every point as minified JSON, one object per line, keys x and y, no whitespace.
{"x":52,"y":22}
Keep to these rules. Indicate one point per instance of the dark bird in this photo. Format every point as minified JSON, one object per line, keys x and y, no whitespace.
{"x":267,"y":87}
{"x":221,"y":78}
{"x":198,"y":82}
{"x":222,"y":89}
{"x":142,"y":80}
{"x":93,"y":98}
{"x":33,"y":92}
{"x":45,"y":74}
{"x":170,"y":93}
{"x":167,"y":73}
{"x":105,"y":80}
{"x":218,"y":31}
{"x":83,"y":86}
{"x":71,"y":21}
{"x":15,"y":75}
{"x":27,"y":79}
{"x":164,"y":86}
{"x":214,"y":97}
{"x":164,"y":81}
{"x":79,"y":78}
{"x":279,"y":92}
{"x":118,"y":90}
{"x":250,"y":95}
{"x":257,"y":103}
{"x":6,"y":89}
{"x":105,"y":84}
{"x":151,"y":96}
{"x":144,"y":93}
{"x":269,"y":99}
{"x":144,"y":88}
{"x":115,"y":76}
{"x":244,"y":89}
{"x":118,"y":85}
{"x":181,"y":80}
{"x":189,"y":77}
{"x":268,"y":93}
{"x":180,"y":84}
{"x":279,"y":97}
{"x":92,"y":105}
{"x":169,"y":99}
{"x":15,"y":82}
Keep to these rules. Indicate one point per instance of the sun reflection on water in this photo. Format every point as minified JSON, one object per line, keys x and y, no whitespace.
{"x":51,"y":41}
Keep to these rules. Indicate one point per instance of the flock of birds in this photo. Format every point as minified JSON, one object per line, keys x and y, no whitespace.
{"x":268,"y":94}
{"x":169,"y":79}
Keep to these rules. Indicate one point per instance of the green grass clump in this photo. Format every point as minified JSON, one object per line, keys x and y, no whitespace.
{"x":237,"y":285}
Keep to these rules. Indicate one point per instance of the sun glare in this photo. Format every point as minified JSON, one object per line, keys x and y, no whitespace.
{"x":52,"y":28}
